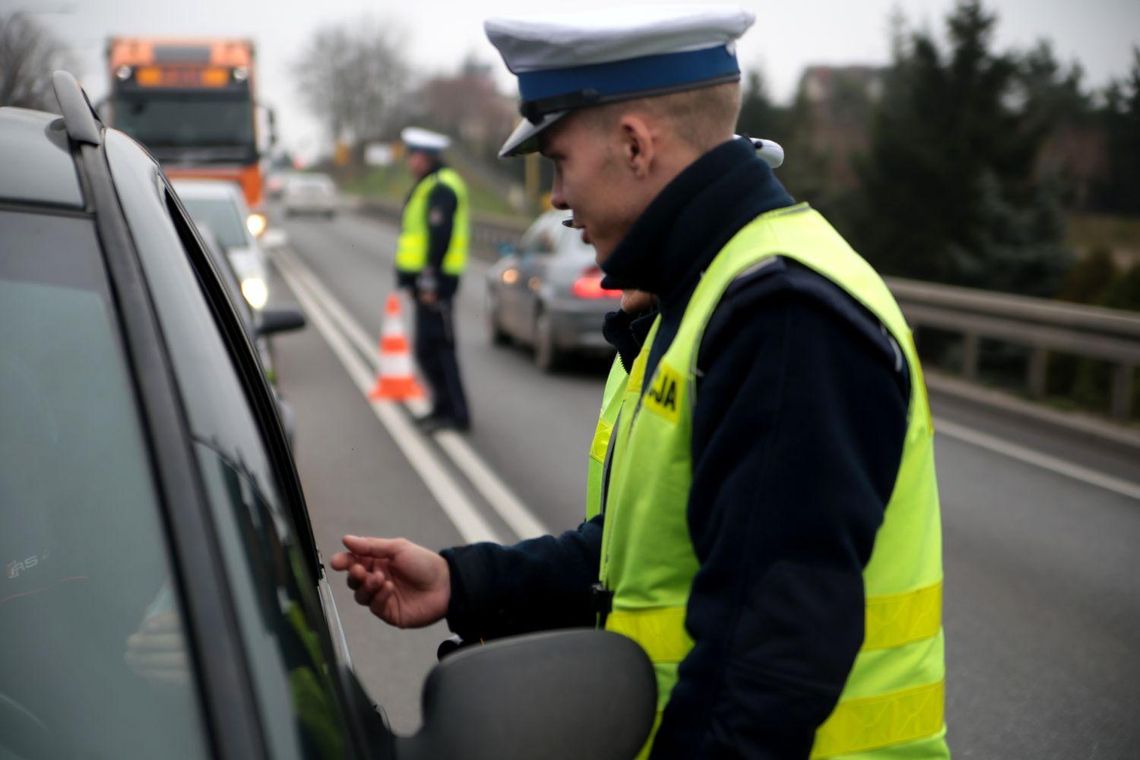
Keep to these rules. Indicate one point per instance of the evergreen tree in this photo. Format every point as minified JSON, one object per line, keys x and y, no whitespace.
{"x":759,"y":116}
{"x":1121,"y":190}
{"x":949,"y":192}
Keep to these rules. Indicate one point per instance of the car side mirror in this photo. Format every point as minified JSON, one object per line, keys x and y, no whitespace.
{"x":507,"y":249}
{"x":271,"y":321}
{"x":559,"y":696}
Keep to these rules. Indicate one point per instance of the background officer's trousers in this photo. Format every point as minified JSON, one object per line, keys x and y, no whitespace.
{"x":435,"y":353}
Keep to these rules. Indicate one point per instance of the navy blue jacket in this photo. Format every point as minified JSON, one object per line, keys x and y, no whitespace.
{"x":797,"y":435}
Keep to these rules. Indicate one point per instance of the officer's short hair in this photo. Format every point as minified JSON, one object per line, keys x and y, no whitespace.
{"x":701,"y":117}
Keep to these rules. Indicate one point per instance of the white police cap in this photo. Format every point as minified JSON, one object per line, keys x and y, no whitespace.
{"x":416,"y":138}
{"x":569,"y":61}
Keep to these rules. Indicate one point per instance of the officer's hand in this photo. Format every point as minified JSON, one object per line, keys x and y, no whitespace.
{"x":404,"y":584}
{"x":428,"y":297}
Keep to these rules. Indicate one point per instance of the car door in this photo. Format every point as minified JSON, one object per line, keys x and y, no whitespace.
{"x":303,"y":693}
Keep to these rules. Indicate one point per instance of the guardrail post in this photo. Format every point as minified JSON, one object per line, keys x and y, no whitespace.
{"x":1122,"y":391}
{"x":1038,"y":364}
{"x":970,"y":356}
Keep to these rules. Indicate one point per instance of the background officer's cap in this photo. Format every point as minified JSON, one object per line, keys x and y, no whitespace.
{"x":424,"y":140}
{"x":586,"y":59}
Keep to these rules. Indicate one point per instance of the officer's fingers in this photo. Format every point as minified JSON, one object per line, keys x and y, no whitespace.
{"x":363,"y":595}
{"x":369,"y":586}
{"x":342,"y":561}
{"x":383,"y":603}
{"x":376,"y":548}
{"x":356,"y":576}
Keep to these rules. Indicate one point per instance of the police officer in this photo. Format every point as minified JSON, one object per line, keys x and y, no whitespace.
{"x":626,"y":330}
{"x":769,"y":525}
{"x":430,"y":258}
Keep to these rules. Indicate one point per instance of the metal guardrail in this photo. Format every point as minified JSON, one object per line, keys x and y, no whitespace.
{"x":488,"y":231}
{"x":1039,"y":324}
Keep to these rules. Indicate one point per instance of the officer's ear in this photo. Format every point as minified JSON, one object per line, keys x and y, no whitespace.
{"x":638,"y":144}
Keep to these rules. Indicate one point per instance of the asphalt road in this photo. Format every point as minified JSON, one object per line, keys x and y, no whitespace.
{"x":1042,"y":531}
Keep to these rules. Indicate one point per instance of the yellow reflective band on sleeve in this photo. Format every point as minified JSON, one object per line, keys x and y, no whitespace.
{"x":899,"y":619}
{"x":601,"y":441}
{"x":868,"y":723}
{"x":659,"y":631}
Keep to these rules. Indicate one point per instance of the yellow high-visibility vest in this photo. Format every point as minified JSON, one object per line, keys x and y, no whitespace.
{"x":412,"y":248}
{"x":892,"y":702}
{"x":611,"y":405}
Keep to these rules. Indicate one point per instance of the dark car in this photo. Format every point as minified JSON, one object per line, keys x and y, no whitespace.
{"x":548,"y":294}
{"x":162,"y":594}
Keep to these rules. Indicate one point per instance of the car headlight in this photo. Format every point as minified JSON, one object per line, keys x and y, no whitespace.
{"x":256,"y":223}
{"x":255,"y":291}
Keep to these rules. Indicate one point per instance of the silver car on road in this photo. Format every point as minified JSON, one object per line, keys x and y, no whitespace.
{"x":548,"y":294}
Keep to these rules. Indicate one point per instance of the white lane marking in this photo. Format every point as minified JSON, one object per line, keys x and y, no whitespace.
{"x":1038,"y":459}
{"x":459,"y":509}
{"x":489,"y":485}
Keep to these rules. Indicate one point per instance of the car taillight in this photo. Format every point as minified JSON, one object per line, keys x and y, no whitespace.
{"x":589,"y":285}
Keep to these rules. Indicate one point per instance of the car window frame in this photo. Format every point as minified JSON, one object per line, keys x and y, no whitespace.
{"x":222,"y":675}
{"x":226,"y":674}
{"x":368,"y":739}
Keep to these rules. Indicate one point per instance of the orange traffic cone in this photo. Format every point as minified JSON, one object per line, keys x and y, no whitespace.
{"x":395,"y":380}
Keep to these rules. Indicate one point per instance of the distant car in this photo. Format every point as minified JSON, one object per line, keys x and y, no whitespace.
{"x":309,"y":194}
{"x":162,"y":593}
{"x":548,"y":294}
{"x":275,"y":184}
{"x":220,"y":206}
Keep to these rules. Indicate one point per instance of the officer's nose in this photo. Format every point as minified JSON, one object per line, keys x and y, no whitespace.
{"x":557,"y":199}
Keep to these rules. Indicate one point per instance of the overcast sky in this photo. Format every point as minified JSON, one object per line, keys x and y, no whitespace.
{"x":1099,"y":34}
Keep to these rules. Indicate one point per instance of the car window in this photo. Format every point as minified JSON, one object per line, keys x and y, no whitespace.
{"x":284,"y":646}
{"x":221,"y":215}
{"x":570,"y":242}
{"x":540,"y":238}
{"x":251,"y":498}
{"x":95,"y":661}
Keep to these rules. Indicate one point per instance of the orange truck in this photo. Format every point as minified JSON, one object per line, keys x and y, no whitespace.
{"x":193,"y":104}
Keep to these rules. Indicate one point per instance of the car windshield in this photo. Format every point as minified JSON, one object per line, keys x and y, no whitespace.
{"x":95,"y":660}
{"x":221,"y":215}
{"x":187,"y":121}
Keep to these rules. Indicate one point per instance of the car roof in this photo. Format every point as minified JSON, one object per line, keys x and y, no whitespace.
{"x":38,"y":167}
{"x":206,"y":188}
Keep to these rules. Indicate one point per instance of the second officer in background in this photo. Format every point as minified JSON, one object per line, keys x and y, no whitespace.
{"x":430,"y":258}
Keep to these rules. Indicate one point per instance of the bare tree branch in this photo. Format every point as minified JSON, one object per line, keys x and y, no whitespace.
{"x":353,"y":77}
{"x":29,"y":54}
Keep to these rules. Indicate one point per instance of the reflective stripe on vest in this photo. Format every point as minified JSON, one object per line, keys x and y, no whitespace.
{"x":412,"y":248}
{"x":892,"y":701}
{"x":611,"y":405}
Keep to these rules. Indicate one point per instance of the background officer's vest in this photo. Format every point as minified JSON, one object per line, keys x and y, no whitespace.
{"x":611,"y":405}
{"x":412,"y":249}
{"x":892,"y":702}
